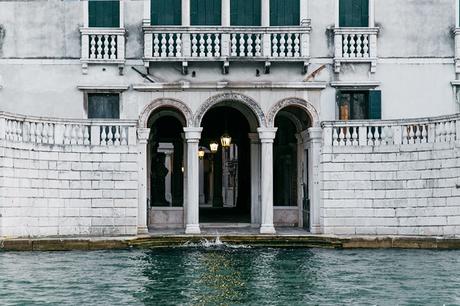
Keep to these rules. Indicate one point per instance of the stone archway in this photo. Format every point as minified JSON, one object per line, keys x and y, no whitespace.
{"x":231,"y":97}
{"x":298,"y":102}
{"x":165,"y":103}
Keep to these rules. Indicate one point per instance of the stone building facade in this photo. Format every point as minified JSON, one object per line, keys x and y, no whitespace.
{"x":105,"y":107}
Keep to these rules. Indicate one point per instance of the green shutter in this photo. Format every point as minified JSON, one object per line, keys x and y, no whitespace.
{"x":166,"y":12}
{"x":375,"y":104}
{"x":354,"y":13}
{"x":284,"y":12}
{"x":103,"y":106}
{"x":104,"y":13}
{"x":205,"y":12}
{"x":245,"y":12}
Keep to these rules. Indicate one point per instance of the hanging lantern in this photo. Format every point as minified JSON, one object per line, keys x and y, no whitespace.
{"x":226,"y":140}
{"x":214,"y":146}
{"x":201,"y":153}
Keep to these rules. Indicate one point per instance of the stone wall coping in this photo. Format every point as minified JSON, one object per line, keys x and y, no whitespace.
{"x":229,"y":85}
{"x":390,"y":122}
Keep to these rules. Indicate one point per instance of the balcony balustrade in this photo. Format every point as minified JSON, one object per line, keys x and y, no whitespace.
{"x":355,"y":45}
{"x":392,"y":132}
{"x":21,"y":129}
{"x":226,"y":44}
{"x":102,"y":46}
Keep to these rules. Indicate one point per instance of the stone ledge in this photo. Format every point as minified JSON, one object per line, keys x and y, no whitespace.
{"x":301,"y":241}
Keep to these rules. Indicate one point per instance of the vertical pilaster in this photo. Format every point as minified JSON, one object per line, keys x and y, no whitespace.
{"x":255,"y":179}
{"x":457,"y":13}
{"x":265,"y":14}
{"x":337,"y":13}
{"x":185,"y":13}
{"x":122,"y":13}
{"x":225,"y":13}
{"x":143,"y":136}
{"x":300,"y":176}
{"x":146,"y":18}
{"x":85,"y":13}
{"x":192,"y":136}
{"x":267,"y":137}
{"x":314,"y":158}
{"x":303,"y":11}
{"x":371,"y":13}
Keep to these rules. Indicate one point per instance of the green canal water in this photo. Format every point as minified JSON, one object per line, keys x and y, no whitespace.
{"x":223,"y":275}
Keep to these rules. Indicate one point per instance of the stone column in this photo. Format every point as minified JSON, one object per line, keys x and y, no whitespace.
{"x":314,"y":162}
{"x":265,"y":14}
{"x":267,"y":136}
{"x":255,"y":179}
{"x":143,"y":136}
{"x":192,"y":224}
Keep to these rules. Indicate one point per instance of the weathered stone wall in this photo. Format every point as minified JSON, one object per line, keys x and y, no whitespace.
{"x":407,"y":189}
{"x":56,"y":190}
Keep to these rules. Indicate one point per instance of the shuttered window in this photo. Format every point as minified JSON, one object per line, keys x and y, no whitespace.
{"x":165,"y":12}
{"x":103,"y":106}
{"x":205,"y":12}
{"x":245,"y":12}
{"x":284,"y":12}
{"x":354,"y":13}
{"x":104,"y":14}
{"x":360,"y":105}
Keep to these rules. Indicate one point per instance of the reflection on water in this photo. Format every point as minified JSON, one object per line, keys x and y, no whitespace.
{"x":220,"y":275}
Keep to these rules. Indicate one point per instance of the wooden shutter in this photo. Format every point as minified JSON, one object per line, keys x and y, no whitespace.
{"x":205,"y":12}
{"x":103,"y":106}
{"x":104,"y":14}
{"x":165,"y":12}
{"x":375,"y":104}
{"x":284,"y":12}
{"x":245,"y":12}
{"x":354,"y":13}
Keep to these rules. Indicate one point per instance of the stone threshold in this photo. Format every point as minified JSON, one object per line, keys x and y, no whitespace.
{"x":281,"y":241}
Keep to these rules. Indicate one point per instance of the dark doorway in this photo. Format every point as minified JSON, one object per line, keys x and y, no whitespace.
{"x":166,"y":148}
{"x":225,"y":189}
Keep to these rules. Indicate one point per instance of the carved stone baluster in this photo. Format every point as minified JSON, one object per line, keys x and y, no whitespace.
{"x":405,"y":136}
{"x":242,"y":45}
{"x":156,"y":45}
{"x":346,"y":49}
{"x":353,"y":39}
{"x":99,"y":47}
{"x":163,"y":45}
{"x":275,"y":45}
{"x":117,"y":136}
{"x":86,"y":140}
{"x":282,"y":46}
{"x":92,"y":49}
{"x":377,"y":136}
{"x":20,"y":131}
{"x":354,"y":136}
{"x":411,"y":135}
{"x":209,"y":47}
{"x":289,"y":45}
{"x":103,"y":136}
{"x":179,"y":45}
{"x":106,"y":47}
{"x":67,"y":134}
{"x":110,"y":136}
{"x":335,"y":137}
{"x":202,"y":46}
{"x":296,"y":45}
{"x":171,"y":45}
{"x":342,"y":137}
{"x":74,"y":135}
{"x":32,"y":132}
{"x":194,"y":46}
{"x":366,"y":46}
{"x":258,"y":46}
{"x":14,"y":131}
{"x":418,"y":134}
{"x":370,"y":136}
{"x":424,"y":134}
{"x":359,"y":48}
{"x":216,"y":45}
{"x":444,"y":132}
{"x":79,"y":134}
{"x":38,"y":132}
{"x":124,"y":140}
{"x":113,"y":47}
{"x":44,"y":134}
{"x":234,"y":45}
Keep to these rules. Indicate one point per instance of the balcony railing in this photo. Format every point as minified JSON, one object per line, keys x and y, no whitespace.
{"x":102,"y":46}
{"x":355,"y":45}
{"x":226,"y":44}
{"x":47,"y":131}
{"x":392,"y":132}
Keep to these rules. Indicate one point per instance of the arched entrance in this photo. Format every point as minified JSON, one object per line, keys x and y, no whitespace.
{"x":225,"y":173}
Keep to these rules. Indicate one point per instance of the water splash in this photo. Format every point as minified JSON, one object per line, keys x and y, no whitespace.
{"x":216,"y":243}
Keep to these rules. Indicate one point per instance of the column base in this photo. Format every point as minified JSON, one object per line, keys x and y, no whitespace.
{"x":141,"y":230}
{"x":267,"y":229}
{"x":315,"y":229}
{"x":192,"y":229}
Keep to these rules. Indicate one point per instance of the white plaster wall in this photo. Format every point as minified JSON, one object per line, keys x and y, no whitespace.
{"x":67,"y":191}
{"x":392,"y":190}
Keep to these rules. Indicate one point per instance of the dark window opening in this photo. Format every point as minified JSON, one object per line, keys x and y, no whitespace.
{"x":354,"y":13}
{"x":166,"y":12}
{"x":284,"y":12}
{"x":205,"y":12}
{"x":359,"y":105}
{"x":104,"y":14}
{"x":245,"y":12}
{"x":103,"y":106}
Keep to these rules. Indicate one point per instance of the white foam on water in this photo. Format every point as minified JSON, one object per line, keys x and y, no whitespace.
{"x":216,"y":243}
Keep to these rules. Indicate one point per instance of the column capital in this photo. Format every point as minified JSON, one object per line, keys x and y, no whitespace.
{"x":143,"y":135}
{"x":193,"y":134}
{"x":267,"y":134}
{"x":254,"y":137}
{"x":315,"y":133}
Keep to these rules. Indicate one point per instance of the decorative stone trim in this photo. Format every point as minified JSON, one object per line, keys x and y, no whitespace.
{"x":308,"y":107}
{"x":228,"y":85}
{"x":230,"y":96}
{"x":165,"y":102}
{"x":356,"y":84}
{"x":103,"y":88}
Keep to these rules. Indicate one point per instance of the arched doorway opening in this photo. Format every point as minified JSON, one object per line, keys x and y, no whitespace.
{"x":225,"y":173}
{"x":291,"y":194}
{"x":165,"y":168}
